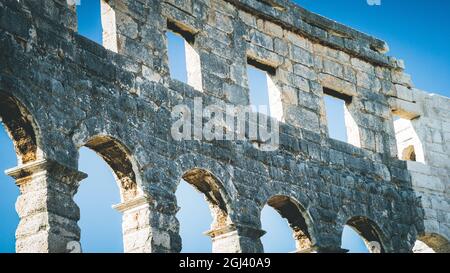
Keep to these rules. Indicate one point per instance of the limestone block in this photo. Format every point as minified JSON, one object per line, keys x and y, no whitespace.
{"x":333,"y":68}
{"x":404,"y":93}
{"x":363,"y":66}
{"x":405,"y":109}
{"x":298,"y":40}
{"x":368,"y":81}
{"x":261,"y":39}
{"x":305,"y":72}
{"x":302,"y":56}
{"x":337,"y":84}
{"x":418,"y":167}
{"x":273,"y":29}
{"x":281,"y":47}
{"x":126,"y":25}
{"x":247,"y":18}
{"x":428,"y":182}
{"x":399,"y":77}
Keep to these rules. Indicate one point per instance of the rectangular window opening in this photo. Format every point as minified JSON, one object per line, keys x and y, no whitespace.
{"x":341,"y":124}
{"x":97,"y":22}
{"x":184,"y":61}
{"x":265,"y":97}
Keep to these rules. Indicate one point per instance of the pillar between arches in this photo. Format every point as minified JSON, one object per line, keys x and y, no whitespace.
{"x":147,"y":228}
{"x":47,"y":211}
{"x":236,"y":239}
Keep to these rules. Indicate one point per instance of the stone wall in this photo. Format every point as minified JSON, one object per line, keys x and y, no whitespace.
{"x":68,"y":92}
{"x":429,"y":134}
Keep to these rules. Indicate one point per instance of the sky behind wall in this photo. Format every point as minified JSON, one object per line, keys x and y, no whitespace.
{"x":417,"y":31}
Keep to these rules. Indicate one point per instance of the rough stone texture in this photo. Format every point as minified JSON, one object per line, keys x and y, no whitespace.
{"x":429,"y":135}
{"x":60,"y":91}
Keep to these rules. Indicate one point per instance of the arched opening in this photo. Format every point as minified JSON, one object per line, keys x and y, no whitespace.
{"x":431,"y":243}
{"x":18,"y":145}
{"x":409,"y":153}
{"x":276,"y":239}
{"x":193,"y":214}
{"x":117,"y":157}
{"x":194,"y":217}
{"x":20,"y":129}
{"x":352,"y":241}
{"x":8,"y":195}
{"x":100,"y":224}
{"x":368,"y":233}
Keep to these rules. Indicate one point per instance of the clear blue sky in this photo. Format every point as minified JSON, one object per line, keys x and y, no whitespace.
{"x":417,"y":31}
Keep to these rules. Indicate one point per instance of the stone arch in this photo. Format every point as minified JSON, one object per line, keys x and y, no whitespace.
{"x":44,"y":182}
{"x":431,"y":243}
{"x":21,"y":128}
{"x":298,"y":218}
{"x":214,"y":181}
{"x":369,"y":232}
{"x":119,"y":159}
{"x":409,"y":153}
{"x":205,"y":182}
